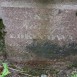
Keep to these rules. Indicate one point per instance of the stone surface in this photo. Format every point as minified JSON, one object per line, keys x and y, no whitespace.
{"x":28,"y":21}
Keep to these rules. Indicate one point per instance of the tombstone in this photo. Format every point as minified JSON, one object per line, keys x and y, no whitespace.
{"x":32,"y":21}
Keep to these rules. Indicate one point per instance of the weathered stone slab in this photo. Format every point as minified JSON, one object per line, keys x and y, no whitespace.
{"x":26,"y":22}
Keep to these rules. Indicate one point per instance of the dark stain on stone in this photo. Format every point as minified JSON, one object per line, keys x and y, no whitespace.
{"x":48,"y":49}
{"x":44,"y":1}
{"x":59,"y":12}
{"x":49,"y":1}
{"x":76,"y":13}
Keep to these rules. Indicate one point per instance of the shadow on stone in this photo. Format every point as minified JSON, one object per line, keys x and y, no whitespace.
{"x":48,"y":49}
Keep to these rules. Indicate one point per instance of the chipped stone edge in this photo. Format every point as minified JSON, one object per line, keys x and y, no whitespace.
{"x":22,"y":4}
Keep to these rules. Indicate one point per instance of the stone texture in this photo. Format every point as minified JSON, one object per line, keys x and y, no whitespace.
{"x":46,"y":22}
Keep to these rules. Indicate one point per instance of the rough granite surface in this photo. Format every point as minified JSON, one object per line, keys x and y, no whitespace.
{"x":27,"y":22}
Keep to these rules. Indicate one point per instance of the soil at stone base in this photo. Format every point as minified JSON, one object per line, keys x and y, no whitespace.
{"x":58,"y":64}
